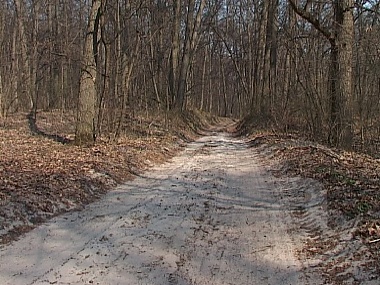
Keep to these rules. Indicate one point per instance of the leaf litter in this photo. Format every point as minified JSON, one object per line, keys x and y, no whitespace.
{"x":349,"y":247}
{"x":41,"y":178}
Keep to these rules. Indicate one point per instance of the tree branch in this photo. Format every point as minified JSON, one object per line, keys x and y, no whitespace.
{"x":303,"y":13}
{"x":367,"y":9}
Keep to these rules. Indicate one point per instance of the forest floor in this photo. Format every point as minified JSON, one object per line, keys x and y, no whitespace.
{"x":42,"y":174}
{"x":188,"y":216}
{"x":348,"y":245}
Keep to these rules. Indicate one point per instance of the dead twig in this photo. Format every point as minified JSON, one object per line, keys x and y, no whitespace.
{"x":374,"y":241}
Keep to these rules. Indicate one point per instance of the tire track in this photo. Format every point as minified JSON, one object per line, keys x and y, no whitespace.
{"x":213,"y":215}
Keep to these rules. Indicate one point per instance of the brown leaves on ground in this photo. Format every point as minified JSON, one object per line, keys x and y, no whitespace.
{"x":40,"y":178}
{"x":352,"y":181}
{"x":374,"y":230}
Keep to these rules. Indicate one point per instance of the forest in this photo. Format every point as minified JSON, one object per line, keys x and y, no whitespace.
{"x":190,"y":100}
{"x":302,"y":66}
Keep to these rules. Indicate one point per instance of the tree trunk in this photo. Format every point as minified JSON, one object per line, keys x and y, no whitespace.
{"x":191,"y":39}
{"x":85,"y":128}
{"x":265,"y":104}
{"x":1,"y":98}
{"x":345,"y":41}
{"x":174,"y":52}
{"x":26,"y":100}
{"x":341,"y":78}
{"x":335,"y":123}
{"x":259,"y":73}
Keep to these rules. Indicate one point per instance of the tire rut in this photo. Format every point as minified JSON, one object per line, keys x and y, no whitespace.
{"x":212,"y":215}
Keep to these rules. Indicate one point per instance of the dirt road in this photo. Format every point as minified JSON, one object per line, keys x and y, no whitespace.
{"x":212,"y":215}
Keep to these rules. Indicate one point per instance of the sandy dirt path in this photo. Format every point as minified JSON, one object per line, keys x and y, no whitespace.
{"x":212,"y":215}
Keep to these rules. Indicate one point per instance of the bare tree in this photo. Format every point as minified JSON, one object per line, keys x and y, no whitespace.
{"x":344,"y":42}
{"x":193,"y":23}
{"x":174,"y":54}
{"x":25,"y":98}
{"x":85,"y":128}
{"x":341,"y":88}
{"x":228,"y":57}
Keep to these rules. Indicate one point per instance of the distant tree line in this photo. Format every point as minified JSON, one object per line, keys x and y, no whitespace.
{"x":304,"y":65}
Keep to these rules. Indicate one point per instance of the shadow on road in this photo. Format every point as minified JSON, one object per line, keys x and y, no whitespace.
{"x":32,"y":121}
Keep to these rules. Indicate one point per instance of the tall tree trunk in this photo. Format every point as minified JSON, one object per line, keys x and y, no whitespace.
{"x":2,"y":36}
{"x":345,"y":41}
{"x":85,"y":128}
{"x":1,"y":98}
{"x":33,"y":94}
{"x":341,"y":72}
{"x":26,"y":100}
{"x":203,"y":81}
{"x":259,"y":62}
{"x":193,"y":23}
{"x":265,"y":102}
{"x":291,"y":71}
{"x":174,"y":52}
{"x":335,"y":123}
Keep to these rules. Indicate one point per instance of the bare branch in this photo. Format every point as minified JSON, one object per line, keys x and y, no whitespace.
{"x":305,"y":14}
{"x":367,"y":9}
{"x":374,"y":241}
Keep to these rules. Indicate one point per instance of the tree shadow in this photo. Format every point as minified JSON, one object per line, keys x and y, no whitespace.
{"x":32,"y":123}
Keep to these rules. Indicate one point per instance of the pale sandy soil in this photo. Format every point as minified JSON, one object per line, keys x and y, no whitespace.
{"x":212,"y":215}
